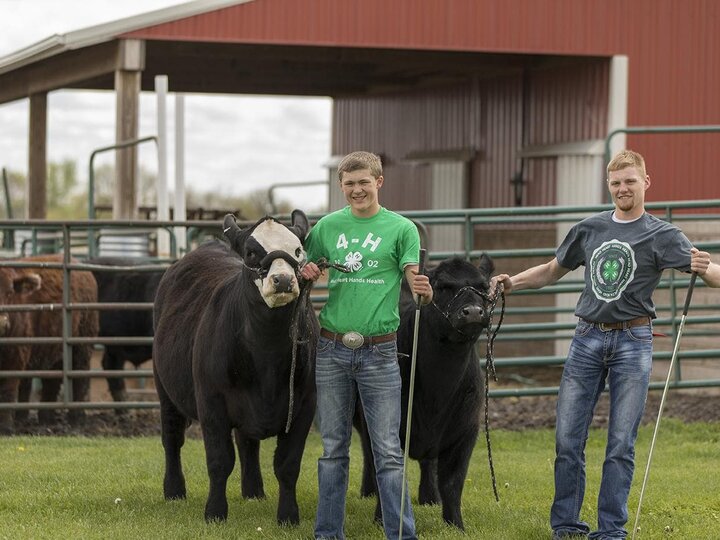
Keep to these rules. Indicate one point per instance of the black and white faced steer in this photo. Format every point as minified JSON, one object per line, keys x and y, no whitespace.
{"x":223,"y":355}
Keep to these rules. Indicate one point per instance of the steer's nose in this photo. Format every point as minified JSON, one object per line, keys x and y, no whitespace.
{"x":472,"y":314}
{"x":282,"y":283}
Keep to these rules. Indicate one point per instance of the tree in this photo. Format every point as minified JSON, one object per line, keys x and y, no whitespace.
{"x":67,"y":198}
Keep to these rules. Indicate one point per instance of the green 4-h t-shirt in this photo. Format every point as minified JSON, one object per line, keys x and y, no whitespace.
{"x":375,"y":250}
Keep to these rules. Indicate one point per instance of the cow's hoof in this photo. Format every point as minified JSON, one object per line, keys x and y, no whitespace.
{"x":174,"y":490}
{"x":289,"y":522}
{"x":217,"y":516}
{"x":174,"y":493}
{"x":428,"y":498}
{"x":456,"y":522}
{"x":288,"y":515}
{"x":253,"y":493}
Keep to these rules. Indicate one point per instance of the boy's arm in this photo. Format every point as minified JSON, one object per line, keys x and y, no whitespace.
{"x":533,"y":278}
{"x":708,"y":271}
{"x":419,"y":283}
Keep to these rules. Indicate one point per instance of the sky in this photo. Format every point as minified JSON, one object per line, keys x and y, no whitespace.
{"x":233,"y":144}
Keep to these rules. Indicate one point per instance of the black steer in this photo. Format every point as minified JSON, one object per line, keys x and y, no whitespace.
{"x":448,"y":395}
{"x":223,"y":354}
{"x":126,"y":286}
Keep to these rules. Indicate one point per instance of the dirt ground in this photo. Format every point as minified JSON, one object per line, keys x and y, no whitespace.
{"x":514,"y":413}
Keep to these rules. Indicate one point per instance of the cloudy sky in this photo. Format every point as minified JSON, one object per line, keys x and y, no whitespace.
{"x":234,"y":144}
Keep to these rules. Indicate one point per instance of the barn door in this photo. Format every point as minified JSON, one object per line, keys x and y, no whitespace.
{"x":448,"y":191}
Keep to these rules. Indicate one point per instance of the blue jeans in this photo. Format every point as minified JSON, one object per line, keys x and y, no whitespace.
{"x":624,"y":358}
{"x":374,"y":374}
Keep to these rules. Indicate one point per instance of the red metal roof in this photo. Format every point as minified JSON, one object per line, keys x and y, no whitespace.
{"x":673,"y":48}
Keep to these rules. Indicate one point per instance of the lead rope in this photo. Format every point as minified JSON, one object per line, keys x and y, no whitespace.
{"x":298,"y":312}
{"x":490,"y":367}
{"x":299,"y":319}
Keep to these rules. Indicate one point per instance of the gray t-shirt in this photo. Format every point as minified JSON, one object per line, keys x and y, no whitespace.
{"x":623,"y":263}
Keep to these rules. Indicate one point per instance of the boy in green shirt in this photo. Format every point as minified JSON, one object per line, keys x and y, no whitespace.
{"x":357,"y":349}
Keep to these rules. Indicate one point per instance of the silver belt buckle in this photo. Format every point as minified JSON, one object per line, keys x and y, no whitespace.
{"x":353,"y":340}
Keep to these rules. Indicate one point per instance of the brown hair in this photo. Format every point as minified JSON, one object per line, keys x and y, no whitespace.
{"x":356,"y":161}
{"x":625,"y":159}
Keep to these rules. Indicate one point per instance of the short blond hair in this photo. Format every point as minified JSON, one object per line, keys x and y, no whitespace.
{"x":625,"y":159}
{"x":356,"y":161}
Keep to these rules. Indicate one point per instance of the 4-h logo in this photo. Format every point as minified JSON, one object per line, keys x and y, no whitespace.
{"x":612,"y":268}
{"x":353,"y":261}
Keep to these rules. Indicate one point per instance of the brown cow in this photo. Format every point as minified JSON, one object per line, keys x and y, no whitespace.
{"x":83,"y":289}
{"x":15,"y":288}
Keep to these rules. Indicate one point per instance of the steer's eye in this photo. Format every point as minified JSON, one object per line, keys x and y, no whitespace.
{"x":298,"y":252}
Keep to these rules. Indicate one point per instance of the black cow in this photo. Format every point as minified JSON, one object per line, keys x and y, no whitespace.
{"x":448,"y":394}
{"x":223,"y":353}
{"x":126,"y":286}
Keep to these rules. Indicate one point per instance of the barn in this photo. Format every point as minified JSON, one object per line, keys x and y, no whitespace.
{"x":471,"y":103}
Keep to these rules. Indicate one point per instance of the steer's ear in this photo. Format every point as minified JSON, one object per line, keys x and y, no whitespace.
{"x":300,"y":224}
{"x":232,"y":232}
{"x":27,"y":283}
{"x":486,"y":264}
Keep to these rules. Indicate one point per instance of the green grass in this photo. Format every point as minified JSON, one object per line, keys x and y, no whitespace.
{"x":107,"y":488}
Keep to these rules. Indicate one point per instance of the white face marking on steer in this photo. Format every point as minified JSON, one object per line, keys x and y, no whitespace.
{"x":274,"y":236}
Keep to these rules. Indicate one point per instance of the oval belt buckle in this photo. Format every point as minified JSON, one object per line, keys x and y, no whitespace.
{"x":353,"y":340}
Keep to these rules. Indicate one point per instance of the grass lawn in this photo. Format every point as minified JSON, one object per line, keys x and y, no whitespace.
{"x":107,"y":488}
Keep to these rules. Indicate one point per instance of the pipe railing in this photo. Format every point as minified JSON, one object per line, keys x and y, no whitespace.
{"x":473,"y":221}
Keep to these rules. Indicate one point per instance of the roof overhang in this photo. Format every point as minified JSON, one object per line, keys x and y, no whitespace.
{"x":86,"y":37}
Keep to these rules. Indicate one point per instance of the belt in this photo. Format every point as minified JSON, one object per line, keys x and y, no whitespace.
{"x":354,"y":340}
{"x":606,"y":327}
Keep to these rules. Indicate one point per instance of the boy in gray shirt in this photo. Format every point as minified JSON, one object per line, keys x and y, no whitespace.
{"x":624,"y":252}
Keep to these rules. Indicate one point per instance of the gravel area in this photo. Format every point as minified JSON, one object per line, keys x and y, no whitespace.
{"x":505,"y":413}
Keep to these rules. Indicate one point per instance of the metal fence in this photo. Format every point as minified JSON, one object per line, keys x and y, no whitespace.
{"x":554,"y":327}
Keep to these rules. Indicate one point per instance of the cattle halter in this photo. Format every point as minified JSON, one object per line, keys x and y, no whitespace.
{"x":446,"y":314}
{"x":264,"y":267}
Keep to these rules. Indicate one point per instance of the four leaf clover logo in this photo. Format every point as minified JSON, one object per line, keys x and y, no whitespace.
{"x":352,"y":261}
{"x":611,"y":270}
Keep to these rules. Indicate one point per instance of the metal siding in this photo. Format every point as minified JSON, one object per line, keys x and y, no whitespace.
{"x":673,"y":48}
{"x":449,"y":190}
{"x":473,"y":25}
{"x":564,"y":104}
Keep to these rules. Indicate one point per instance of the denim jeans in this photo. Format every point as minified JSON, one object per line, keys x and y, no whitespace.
{"x":624,"y":359}
{"x":374,"y":374}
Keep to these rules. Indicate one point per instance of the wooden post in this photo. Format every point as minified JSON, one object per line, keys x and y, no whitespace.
{"x":36,"y":197}
{"x":127,"y":89}
{"x":130,"y":63}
